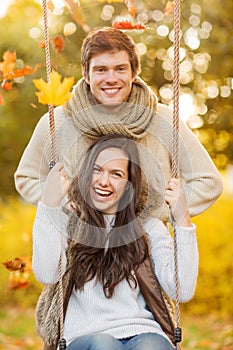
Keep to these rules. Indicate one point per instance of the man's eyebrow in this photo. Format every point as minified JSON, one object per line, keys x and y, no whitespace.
{"x":116,"y":66}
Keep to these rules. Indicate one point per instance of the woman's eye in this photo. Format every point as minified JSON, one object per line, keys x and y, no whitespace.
{"x":117,"y":174}
{"x":96,"y":170}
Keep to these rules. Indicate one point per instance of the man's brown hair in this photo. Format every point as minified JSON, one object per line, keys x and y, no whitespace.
{"x":109,"y":39}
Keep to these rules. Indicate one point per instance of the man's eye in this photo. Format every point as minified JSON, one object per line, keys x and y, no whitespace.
{"x":100,"y":70}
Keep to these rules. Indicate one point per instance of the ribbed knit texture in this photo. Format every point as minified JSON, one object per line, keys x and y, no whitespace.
{"x":125,"y":314}
{"x":131,"y":118}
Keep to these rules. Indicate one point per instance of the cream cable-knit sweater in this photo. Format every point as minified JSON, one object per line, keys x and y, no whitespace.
{"x":203,"y":183}
{"x":125,"y":314}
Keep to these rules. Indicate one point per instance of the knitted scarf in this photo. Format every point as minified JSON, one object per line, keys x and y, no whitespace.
{"x":131,"y":118}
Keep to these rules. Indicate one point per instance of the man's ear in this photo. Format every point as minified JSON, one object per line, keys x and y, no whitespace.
{"x":84,"y":74}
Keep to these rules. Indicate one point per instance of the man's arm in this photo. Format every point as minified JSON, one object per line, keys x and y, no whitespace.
{"x":203,"y":183}
{"x":33,"y":167}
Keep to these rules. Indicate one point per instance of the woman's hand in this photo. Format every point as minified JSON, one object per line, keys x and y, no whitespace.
{"x":176,"y":199}
{"x":56,"y":186}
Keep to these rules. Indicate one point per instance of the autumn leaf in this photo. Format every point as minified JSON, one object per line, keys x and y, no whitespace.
{"x":169,"y":7}
{"x":130,"y":7}
{"x":8,"y":63}
{"x":50,"y":5}
{"x":75,"y":11}
{"x":58,"y":44}
{"x":18,"y":280}
{"x":6,"y":85}
{"x":16,"y":264}
{"x":54,"y":92}
{"x":125,"y":24}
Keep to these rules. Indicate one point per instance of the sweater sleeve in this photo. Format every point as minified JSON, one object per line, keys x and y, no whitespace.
{"x":162,"y":253}
{"x":33,"y":167}
{"x":203,"y":183}
{"x":49,"y":243}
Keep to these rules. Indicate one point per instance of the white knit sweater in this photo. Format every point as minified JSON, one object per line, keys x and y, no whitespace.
{"x":203,"y":183}
{"x":125,"y":314}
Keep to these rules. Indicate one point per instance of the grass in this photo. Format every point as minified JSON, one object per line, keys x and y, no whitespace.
{"x":17,"y":331}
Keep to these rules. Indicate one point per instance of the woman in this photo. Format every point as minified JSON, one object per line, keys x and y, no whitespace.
{"x":105,"y":247}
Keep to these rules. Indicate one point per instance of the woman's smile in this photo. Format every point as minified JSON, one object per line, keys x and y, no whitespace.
{"x":109,"y":178}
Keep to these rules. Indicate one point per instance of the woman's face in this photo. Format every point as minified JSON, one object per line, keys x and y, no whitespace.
{"x":109,"y":178}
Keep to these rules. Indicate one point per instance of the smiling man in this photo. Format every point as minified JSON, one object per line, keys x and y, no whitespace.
{"x":112,"y":98}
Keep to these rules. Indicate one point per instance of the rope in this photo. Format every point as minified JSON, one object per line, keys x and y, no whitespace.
{"x":48,"y":72}
{"x":62,"y":342}
{"x":175,"y":152}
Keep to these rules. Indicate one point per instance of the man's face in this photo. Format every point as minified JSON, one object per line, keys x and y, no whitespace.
{"x":110,"y":77}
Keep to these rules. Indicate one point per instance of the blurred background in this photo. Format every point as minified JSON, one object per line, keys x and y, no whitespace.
{"x":206,"y":105}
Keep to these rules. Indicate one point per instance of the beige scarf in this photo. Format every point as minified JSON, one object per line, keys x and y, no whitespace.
{"x":130,"y":118}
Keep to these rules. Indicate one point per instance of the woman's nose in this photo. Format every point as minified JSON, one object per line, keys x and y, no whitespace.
{"x":104,"y":179}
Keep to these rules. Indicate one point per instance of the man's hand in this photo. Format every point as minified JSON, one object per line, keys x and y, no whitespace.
{"x":56,"y":186}
{"x":176,"y":199}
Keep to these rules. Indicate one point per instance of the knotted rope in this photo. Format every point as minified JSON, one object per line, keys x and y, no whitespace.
{"x":175,"y":151}
{"x":62,"y":342}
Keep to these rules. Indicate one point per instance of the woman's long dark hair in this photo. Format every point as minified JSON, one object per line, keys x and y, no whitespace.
{"x":126,"y":242}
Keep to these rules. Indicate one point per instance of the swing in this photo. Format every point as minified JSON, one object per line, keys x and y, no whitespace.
{"x":174,"y":160}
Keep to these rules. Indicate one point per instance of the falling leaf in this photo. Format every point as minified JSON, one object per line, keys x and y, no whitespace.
{"x":6,"y":85}
{"x":16,"y":264}
{"x":54,"y":92}
{"x":58,"y":44}
{"x":125,"y":24}
{"x":18,"y":280}
{"x":169,"y":7}
{"x":8,"y":63}
{"x":75,"y":11}
{"x":50,"y":5}
{"x":131,"y":7}
{"x":42,"y":44}
{"x":17,"y":73}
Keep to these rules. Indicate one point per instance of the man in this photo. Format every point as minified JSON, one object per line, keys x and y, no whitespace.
{"x":111,"y":98}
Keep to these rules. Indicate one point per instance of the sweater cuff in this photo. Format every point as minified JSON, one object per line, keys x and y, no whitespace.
{"x":53,"y":216}
{"x":186,"y":235}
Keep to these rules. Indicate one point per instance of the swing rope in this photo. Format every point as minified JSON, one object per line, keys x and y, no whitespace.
{"x":175,"y":155}
{"x":174,"y":158}
{"x":62,"y":341}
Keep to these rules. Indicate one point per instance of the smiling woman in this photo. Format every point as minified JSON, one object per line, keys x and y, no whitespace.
{"x":115,"y":263}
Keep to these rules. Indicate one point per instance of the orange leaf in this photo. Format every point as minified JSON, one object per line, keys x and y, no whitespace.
{"x":125,"y":24}
{"x":22,"y":72}
{"x":131,"y":8}
{"x":58,"y":44}
{"x":8,"y":63}
{"x":75,"y":11}
{"x":169,"y":8}
{"x":6,"y":85}
{"x":50,"y":5}
{"x":16,"y":264}
{"x":42,"y":44}
{"x":18,"y":281}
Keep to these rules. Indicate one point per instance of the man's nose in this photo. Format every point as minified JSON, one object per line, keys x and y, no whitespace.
{"x":111,"y":76}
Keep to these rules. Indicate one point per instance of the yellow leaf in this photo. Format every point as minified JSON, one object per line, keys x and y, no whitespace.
{"x":54,"y":92}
